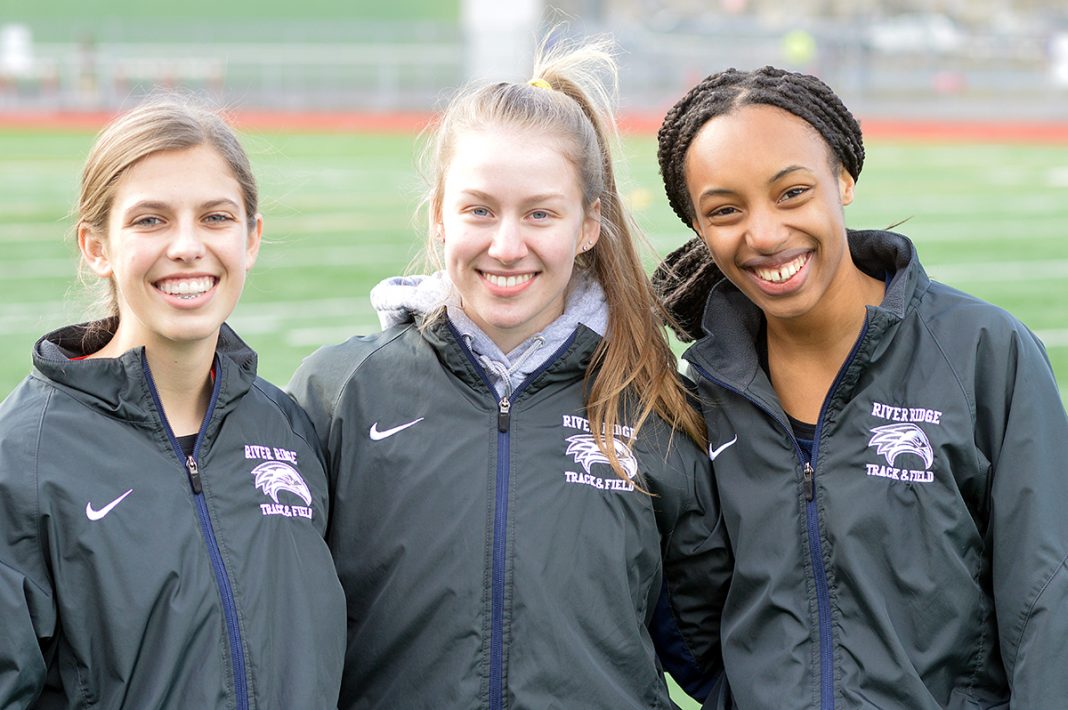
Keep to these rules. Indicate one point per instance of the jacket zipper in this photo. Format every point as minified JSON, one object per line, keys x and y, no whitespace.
{"x":812,"y":523}
{"x":500,"y":532}
{"x":222,"y":579}
{"x":500,"y":512}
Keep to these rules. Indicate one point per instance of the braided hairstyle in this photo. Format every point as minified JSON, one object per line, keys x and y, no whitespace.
{"x":803,"y":95}
{"x":683,"y":280}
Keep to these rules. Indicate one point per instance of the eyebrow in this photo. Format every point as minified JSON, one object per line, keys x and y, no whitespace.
{"x":785,"y":171}
{"x":157,"y":205}
{"x":542,"y":197}
{"x":719,"y":191}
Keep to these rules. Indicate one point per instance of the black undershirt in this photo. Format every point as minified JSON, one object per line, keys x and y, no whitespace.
{"x":187,"y":443}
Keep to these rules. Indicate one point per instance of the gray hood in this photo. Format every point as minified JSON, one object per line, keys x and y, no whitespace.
{"x":401,"y":298}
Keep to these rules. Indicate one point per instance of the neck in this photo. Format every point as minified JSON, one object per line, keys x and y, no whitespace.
{"x":184,"y":387}
{"x":834,"y":324}
{"x":806,"y":353}
{"x":181,"y":372}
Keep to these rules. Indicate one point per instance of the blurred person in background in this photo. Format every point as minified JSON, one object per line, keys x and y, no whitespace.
{"x":888,"y":452}
{"x":162,"y":509}
{"x":518,"y":473}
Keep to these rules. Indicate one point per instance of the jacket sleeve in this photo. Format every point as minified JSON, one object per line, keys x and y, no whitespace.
{"x":27,"y":605}
{"x":1023,"y":430}
{"x":697,"y":570}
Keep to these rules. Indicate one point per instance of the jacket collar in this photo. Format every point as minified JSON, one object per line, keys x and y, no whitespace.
{"x":568,"y":363}
{"x":117,"y":387}
{"x":731,"y":323}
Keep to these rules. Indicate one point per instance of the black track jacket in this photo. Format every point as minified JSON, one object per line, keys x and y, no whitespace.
{"x":132,"y":577}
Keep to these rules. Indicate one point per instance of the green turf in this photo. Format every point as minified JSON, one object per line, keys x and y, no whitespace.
{"x":338,"y":212}
{"x":139,"y":21}
{"x":339,"y":208}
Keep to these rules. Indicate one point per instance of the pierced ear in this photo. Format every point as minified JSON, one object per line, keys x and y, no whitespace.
{"x":94,"y":251}
{"x":591,"y":228}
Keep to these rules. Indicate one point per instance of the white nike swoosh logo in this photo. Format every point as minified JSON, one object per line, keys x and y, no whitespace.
{"x":98,"y":514}
{"x":713,"y":453}
{"x":377,"y":435}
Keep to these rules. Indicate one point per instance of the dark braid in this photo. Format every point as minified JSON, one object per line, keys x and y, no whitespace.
{"x":803,"y":95}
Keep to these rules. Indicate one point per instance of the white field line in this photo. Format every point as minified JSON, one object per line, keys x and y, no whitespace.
{"x":1054,"y":338}
{"x":250,"y":317}
{"x":999,"y":271}
{"x":312,"y":337}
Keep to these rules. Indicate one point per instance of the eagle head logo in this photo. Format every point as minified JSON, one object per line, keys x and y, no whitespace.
{"x":585,"y":452}
{"x":274,"y":476}
{"x":893,"y":440}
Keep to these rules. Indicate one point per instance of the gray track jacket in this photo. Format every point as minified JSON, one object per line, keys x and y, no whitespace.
{"x":918,"y":560}
{"x":131,"y":577}
{"x":490,"y":556}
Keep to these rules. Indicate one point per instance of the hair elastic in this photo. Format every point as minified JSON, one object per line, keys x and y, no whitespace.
{"x":540,"y":83}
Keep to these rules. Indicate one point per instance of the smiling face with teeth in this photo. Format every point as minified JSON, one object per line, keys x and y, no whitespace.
{"x":177,"y":248}
{"x":512,"y":221}
{"x":768,"y":198}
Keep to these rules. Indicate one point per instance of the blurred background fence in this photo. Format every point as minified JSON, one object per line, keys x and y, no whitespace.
{"x":982,"y":59}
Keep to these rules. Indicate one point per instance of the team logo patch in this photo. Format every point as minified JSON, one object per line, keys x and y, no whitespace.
{"x":892,"y":440}
{"x":903,"y":442}
{"x":277,"y":474}
{"x":582,"y":448}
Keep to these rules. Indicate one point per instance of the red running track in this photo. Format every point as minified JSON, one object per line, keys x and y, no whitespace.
{"x":640,"y":124}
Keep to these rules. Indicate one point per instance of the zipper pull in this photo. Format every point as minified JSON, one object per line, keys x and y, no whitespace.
{"x":194,"y":475}
{"x":809,"y":492}
{"x":502,"y":415}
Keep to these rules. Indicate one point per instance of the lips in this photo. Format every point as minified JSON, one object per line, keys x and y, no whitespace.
{"x":187,"y":288}
{"x":783,"y":272}
{"x":507,"y":281}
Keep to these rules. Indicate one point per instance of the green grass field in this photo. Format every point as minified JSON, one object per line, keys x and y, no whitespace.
{"x":236,"y":21}
{"x":989,"y":219}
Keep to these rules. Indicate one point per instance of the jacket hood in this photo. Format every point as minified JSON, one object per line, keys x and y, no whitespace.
{"x":731,"y":323}
{"x":119,"y":386}
{"x":404,"y":299}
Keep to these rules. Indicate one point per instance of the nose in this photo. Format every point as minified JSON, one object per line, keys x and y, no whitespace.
{"x":765,"y":231}
{"x":508,"y":244}
{"x":186,"y":243}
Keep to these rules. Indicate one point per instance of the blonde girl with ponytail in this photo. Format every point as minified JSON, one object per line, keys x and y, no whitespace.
{"x":520,"y":475}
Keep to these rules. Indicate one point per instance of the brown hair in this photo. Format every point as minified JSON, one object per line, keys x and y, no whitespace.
{"x":633,"y":371}
{"x":165,"y":123}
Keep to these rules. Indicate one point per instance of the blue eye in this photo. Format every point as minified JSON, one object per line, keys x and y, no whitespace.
{"x":480,"y":211}
{"x":147,"y":222}
{"x":539,"y":214}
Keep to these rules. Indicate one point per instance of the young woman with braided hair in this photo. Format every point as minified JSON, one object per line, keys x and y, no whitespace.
{"x":888,"y":452}
{"x":519,"y":474}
